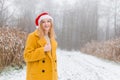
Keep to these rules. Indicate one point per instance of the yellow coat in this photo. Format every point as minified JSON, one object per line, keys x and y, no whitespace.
{"x":40,"y":65}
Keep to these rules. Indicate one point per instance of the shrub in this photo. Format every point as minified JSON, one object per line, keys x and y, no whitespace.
{"x":109,"y":49}
{"x":12,"y":41}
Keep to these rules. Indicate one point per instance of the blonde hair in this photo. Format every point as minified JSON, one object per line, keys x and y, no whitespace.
{"x":51,"y":32}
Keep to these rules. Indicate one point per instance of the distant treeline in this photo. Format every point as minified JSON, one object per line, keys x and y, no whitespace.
{"x":76,"y":22}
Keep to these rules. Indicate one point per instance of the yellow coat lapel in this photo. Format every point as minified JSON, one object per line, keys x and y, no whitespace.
{"x":42,"y":42}
{"x":54,"y":46}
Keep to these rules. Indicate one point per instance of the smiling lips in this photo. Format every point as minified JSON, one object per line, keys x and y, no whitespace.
{"x":46,"y":26}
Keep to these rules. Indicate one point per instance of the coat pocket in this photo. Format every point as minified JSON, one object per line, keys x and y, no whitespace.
{"x":35,"y":68}
{"x":35,"y":76}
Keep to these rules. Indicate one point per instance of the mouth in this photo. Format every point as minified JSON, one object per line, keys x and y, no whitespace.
{"x":46,"y":26}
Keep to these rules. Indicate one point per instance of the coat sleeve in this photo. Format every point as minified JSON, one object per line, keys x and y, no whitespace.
{"x":31,"y":53}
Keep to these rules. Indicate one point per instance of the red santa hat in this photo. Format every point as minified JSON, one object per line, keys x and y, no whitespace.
{"x":42,"y":16}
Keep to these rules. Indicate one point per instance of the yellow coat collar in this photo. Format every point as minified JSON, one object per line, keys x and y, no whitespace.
{"x":43,"y":41}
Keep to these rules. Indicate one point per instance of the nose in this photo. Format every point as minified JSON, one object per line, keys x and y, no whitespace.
{"x":46,"y":23}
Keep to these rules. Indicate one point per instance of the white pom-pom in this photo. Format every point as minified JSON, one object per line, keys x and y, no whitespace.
{"x":37,"y":27}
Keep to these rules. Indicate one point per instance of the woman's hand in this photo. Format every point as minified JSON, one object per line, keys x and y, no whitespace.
{"x":47,"y":47}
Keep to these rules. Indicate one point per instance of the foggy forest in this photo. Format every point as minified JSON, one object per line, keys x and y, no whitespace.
{"x":76,"y":22}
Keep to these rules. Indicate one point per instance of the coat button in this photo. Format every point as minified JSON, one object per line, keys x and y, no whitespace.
{"x":43,"y":61}
{"x":55,"y":70}
{"x":43,"y":71}
{"x":55,"y":60}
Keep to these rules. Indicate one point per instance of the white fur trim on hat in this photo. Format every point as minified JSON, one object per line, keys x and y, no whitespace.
{"x":44,"y":17}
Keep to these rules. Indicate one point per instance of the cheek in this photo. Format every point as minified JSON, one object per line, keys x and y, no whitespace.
{"x":49,"y":23}
{"x":43,"y":26}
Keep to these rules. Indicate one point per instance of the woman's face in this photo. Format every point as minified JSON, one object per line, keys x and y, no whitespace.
{"x":46,"y":24}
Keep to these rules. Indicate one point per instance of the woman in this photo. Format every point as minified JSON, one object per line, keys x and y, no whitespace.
{"x":40,"y":50}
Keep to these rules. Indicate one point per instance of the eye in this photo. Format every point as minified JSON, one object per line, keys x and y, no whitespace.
{"x":43,"y":21}
{"x":48,"y":20}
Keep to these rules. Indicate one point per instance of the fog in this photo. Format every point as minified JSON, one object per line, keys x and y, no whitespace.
{"x":76,"y":22}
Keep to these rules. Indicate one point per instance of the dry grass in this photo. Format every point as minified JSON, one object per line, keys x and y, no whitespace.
{"x":107,"y":50}
{"x":12,"y":42}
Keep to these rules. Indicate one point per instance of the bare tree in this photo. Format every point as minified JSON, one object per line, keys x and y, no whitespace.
{"x":27,"y":13}
{"x":3,"y":13}
{"x":116,"y":18}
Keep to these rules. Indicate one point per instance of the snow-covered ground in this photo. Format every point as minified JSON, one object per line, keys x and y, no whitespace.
{"x":74,"y":66}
